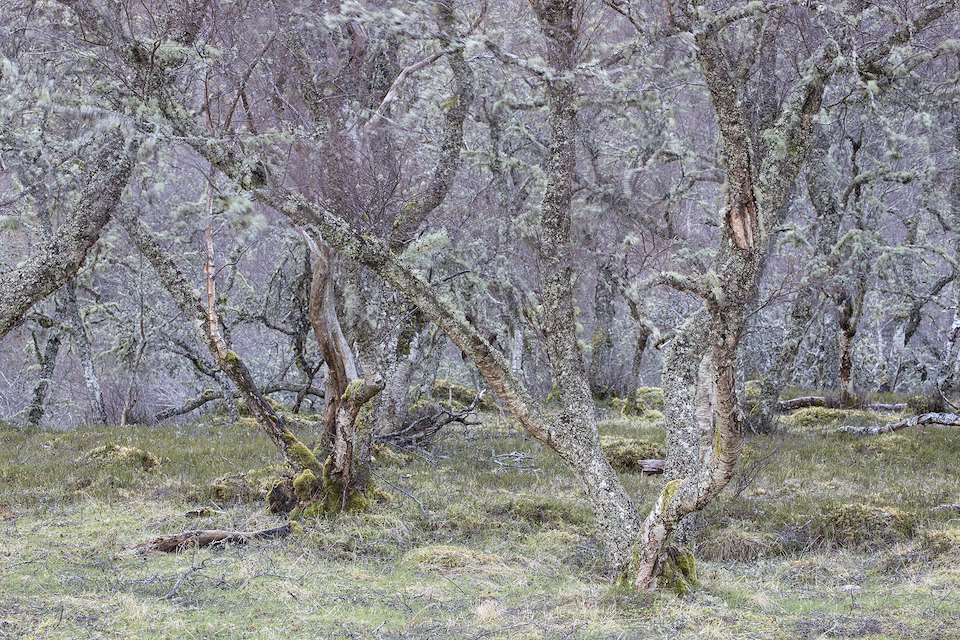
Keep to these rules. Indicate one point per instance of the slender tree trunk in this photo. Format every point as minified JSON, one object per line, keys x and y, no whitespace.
{"x":82,"y":341}
{"x":849,"y":311}
{"x":48,"y":363}
{"x":603,"y":330}
{"x":190,"y":303}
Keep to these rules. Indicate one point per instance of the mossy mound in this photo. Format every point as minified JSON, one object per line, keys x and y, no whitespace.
{"x":864,"y":526}
{"x":927,"y":403}
{"x":387,"y":455}
{"x":438,"y":557}
{"x":127,"y":456}
{"x":940,"y":542}
{"x":458,"y":395}
{"x":642,"y":401}
{"x":625,"y":454}
{"x":538,"y":510}
{"x":738,"y":542}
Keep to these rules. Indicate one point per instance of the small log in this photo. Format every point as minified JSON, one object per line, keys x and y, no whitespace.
{"x":802,"y":403}
{"x":652,"y":466}
{"x":210,"y":537}
{"x":945,"y":419}
{"x":892,"y":408}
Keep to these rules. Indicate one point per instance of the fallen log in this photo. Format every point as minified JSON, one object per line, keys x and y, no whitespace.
{"x":802,"y":403}
{"x":821,"y":401}
{"x":652,"y":466}
{"x":210,"y":537}
{"x":945,"y":419}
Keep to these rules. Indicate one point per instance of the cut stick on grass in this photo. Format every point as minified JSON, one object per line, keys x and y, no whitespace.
{"x":210,"y":537}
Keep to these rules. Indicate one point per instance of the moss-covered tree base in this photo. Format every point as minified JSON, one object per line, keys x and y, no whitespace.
{"x":678,"y":572}
{"x":319,"y":497}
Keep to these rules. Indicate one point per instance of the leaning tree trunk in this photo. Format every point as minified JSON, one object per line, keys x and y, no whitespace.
{"x":57,"y":259}
{"x":298,"y":455}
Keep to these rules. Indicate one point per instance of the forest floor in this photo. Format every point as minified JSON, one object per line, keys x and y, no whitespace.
{"x":820,"y":536}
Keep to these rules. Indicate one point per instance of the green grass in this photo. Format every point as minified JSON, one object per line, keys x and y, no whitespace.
{"x":500,"y":544}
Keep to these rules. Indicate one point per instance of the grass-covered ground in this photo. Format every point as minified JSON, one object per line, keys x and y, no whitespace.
{"x":487,"y":538}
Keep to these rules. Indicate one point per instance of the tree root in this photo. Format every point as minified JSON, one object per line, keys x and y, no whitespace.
{"x":210,"y":537}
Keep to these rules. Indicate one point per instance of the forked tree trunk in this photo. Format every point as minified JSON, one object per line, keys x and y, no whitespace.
{"x":349,"y":435}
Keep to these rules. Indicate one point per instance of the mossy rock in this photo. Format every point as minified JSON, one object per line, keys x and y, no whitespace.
{"x":864,"y":526}
{"x":439,"y":557}
{"x":458,"y":395}
{"x":127,"y":456}
{"x":940,"y":542}
{"x":625,"y":454}
{"x":246,"y":487}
